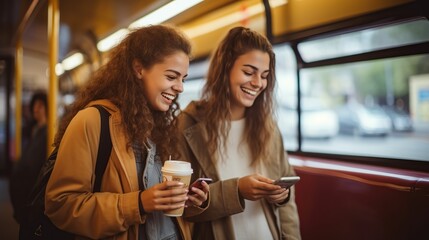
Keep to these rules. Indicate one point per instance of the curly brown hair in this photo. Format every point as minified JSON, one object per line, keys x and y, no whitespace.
{"x":217,"y":94}
{"x":116,"y":81}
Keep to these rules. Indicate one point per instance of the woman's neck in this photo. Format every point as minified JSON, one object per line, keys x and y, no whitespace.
{"x":237,"y":113}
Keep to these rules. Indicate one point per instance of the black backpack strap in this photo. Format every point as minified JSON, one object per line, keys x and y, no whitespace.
{"x":104,"y":148}
{"x":37,"y":225}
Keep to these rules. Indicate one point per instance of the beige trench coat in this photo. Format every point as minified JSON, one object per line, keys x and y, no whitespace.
{"x":215,"y":222}
{"x":112,"y":213}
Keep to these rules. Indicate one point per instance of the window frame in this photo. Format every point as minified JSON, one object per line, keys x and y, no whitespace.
{"x":386,"y":17}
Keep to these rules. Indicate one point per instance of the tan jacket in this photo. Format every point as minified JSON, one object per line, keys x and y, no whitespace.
{"x":112,"y":213}
{"x":215,"y":222}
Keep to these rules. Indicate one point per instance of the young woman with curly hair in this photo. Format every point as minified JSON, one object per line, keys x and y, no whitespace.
{"x":138,"y":86}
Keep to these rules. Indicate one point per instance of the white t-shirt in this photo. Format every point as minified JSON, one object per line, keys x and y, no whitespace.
{"x":234,"y":161}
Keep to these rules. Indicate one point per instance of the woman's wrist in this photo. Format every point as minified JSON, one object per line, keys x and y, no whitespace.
{"x":141,"y":208}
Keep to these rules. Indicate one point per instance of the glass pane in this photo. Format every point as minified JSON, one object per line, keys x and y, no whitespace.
{"x":365,"y":41}
{"x":3,"y":107}
{"x":286,"y":95}
{"x":194,"y":83}
{"x":381,"y":108}
{"x":192,"y":91}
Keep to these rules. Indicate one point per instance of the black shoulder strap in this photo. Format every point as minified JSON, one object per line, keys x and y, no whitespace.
{"x":104,"y":148}
{"x":37,"y":195}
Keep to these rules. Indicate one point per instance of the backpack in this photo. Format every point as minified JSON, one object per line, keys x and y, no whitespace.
{"x":37,"y":225}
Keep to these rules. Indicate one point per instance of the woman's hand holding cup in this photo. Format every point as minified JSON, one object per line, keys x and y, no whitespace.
{"x":178,"y":171}
{"x":165,"y":196}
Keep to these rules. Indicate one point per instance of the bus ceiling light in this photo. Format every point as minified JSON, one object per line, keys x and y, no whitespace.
{"x":73,"y":61}
{"x":158,"y":16}
{"x":59,"y":70}
{"x":112,"y":40}
{"x":164,"y":13}
{"x":229,"y":19}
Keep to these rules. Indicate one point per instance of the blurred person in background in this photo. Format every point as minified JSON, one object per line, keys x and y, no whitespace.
{"x":33,"y":156}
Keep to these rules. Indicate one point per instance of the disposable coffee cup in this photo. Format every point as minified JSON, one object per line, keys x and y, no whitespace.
{"x":174,"y":170}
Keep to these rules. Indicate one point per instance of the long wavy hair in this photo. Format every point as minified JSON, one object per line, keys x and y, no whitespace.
{"x":117,"y":82}
{"x":217,"y":94}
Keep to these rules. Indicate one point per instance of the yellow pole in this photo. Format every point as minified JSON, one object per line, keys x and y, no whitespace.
{"x":18,"y":77}
{"x":53,"y":29}
{"x":18,"y":96}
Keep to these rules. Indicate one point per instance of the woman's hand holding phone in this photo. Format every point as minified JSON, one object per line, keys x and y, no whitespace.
{"x":285,"y":183}
{"x":254,"y":187}
{"x":198,"y":191}
{"x":199,"y":183}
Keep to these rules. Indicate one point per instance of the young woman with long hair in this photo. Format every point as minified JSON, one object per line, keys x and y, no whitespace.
{"x":230,"y":135}
{"x":138,"y":86}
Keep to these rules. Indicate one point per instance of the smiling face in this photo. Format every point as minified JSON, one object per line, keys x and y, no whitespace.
{"x":248,"y":78}
{"x":164,"y":81}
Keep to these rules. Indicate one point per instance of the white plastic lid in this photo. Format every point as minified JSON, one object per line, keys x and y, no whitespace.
{"x":177,"y":167}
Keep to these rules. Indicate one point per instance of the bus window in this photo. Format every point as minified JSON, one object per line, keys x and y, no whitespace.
{"x":286,"y":114}
{"x":194,"y":83}
{"x":5,"y":101}
{"x":192,"y":92}
{"x":3,"y":152}
{"x":365,"y":41}
{"x":381,"y":106}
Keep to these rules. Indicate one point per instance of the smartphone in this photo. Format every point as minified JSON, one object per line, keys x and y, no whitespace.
{"x":287,"y":182}
{"x":197,"y":183}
